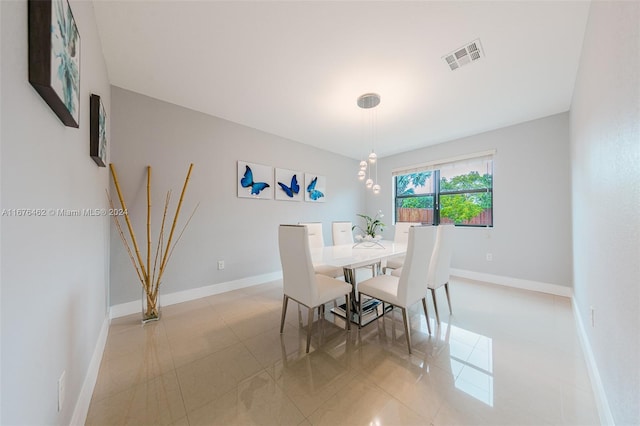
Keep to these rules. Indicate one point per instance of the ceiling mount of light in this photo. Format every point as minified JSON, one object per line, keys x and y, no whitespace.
{"x":368,"y":101}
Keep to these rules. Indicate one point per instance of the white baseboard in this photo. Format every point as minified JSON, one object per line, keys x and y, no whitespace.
{"x":81,"y":409}
{"x":555,"y":289}
{"x":129,"y":308}
{"x":602,"y":403}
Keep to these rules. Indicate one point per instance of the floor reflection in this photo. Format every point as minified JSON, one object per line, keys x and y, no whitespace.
{"x":471,"y":360}
{"x":222,"y":360}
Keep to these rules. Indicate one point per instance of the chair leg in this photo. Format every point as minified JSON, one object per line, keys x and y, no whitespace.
{"x":309,"y":327}
{"x":446,"y":289}
{"x":285,"y":302}
{"x":348,"y":308}
{"x":435,"y":304}
{"x":360,"y":311}
{"x":426,"y":315}
{"x":405,"y":319}
{"x":321,"y":317}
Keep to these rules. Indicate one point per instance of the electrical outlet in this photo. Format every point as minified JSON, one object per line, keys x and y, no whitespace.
{"x":62,"y":388}
{"x":489,"y":257}
{"x":220,"y":265}
{"x":593,"y":316}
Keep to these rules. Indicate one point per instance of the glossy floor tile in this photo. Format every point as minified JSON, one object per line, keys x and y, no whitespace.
{"x":505,"y":357}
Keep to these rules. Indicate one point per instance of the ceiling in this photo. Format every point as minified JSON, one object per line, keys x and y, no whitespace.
{"x":296,"y":68}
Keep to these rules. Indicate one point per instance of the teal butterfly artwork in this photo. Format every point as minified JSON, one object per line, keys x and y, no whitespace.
{"x":314,"y":194}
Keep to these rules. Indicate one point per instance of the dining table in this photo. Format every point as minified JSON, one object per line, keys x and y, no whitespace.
{"x":350,"y":257}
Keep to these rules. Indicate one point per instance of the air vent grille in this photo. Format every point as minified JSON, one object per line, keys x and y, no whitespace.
{"x":464,"y":55}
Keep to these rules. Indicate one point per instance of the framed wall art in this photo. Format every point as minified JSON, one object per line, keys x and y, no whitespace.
{"x":97,"y":131}
{"x":54,"y":57}
{"x":289,"y":185}
{"x":255,"y":180}
{"x":315,"y":187}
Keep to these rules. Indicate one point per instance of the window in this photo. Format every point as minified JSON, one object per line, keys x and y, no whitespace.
{"x":458,"y":191}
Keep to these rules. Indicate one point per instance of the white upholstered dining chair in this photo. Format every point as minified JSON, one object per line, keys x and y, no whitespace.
{"x":316,"y":240}
{"x":300,"y":282}
{"x":440,"y":266}
{"x":401,"y":236}
{"x":411,"y":285}
{"x":342,"y":233}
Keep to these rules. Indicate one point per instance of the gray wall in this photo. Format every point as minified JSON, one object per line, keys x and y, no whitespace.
{"x":531,"y":237}
{"x":241,"y":231}
{"x":605,"y":154}
{"x":54,"y":269}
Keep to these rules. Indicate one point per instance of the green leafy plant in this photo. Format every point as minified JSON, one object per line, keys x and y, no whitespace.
{"x":372,"y":225}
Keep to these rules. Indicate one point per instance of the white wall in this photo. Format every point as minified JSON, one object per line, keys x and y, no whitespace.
{"x":605,"y":156}
{"x":54,"y":269}
{"x":531,"y":237}
{"x":241,"y":231}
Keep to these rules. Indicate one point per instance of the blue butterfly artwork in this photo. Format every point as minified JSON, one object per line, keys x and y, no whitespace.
{"x":292,"y":189}
{"x":314,"y":194}
{"x":290,"y":185}
{"x":247,"y":181}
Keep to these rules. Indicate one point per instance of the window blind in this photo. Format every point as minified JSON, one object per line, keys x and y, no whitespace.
{"x":457,"y":161}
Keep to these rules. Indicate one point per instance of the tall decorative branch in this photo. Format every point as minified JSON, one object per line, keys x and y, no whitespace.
{"x":161,"y":235}
{"x":149,"y":280}
{"x":145,"y":275}
{"x":124,"y":240}
{"x":163,"y":264}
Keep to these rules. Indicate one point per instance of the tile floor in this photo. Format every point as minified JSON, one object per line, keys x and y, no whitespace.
{"x":506,"y":357}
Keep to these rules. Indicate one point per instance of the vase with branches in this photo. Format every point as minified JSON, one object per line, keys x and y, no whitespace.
{"x":150,"y":276}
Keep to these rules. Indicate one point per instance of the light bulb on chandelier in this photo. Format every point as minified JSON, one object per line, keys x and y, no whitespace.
{"x":376,"y":189}
{"x":373,"y":157}
{"x":369,"y":183}
{"x":361,"y":174}
{"x":363,"y":165}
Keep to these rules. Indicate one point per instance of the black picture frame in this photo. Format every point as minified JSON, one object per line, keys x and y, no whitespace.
{"x":97,"y":131}
{"x":54,"y":57}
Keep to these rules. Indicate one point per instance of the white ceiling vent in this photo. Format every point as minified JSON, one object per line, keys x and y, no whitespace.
{"x":464,"y":55}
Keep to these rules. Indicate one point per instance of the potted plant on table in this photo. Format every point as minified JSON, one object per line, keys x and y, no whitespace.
{"x":373,"y":225}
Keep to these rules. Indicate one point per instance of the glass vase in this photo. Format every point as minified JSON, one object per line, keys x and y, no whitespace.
{"x":150,"y":307}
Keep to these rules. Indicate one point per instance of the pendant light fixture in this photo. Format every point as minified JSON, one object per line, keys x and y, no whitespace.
{"x":369,"y":101}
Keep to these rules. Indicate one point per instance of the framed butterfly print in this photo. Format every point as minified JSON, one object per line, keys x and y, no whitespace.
{"x":314,"y":188}
{"x":255,"y":180}
{"x":289,"y":185}
{"x":54,"y":57}
{"x":97,"y":131}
